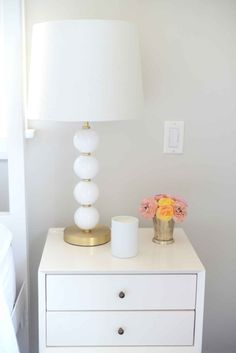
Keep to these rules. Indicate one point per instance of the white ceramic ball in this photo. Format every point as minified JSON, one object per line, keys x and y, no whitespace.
{"x":86,"y":217}
{"x":86,"y":193}
{"x":86,"y":167}
{"x":86,"y":140}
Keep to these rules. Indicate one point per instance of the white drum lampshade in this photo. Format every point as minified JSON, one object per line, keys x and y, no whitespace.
{"x":85,"y":70}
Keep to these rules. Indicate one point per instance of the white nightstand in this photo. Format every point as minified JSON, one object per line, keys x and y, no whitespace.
{"x":91,"y":302}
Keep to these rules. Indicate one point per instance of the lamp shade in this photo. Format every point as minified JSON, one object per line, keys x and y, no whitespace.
{"x":85,"y":70}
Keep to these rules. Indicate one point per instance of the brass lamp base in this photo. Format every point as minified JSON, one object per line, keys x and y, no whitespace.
{"x":97,"y":236}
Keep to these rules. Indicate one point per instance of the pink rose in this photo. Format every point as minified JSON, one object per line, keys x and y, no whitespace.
{"x":180,"y":211}
{"x":180,"y":199}
{"x":160,"y":196}
{"x":148,"y":208}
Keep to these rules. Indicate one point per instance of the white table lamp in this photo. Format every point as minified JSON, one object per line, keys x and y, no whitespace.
{"x":85,"y":70}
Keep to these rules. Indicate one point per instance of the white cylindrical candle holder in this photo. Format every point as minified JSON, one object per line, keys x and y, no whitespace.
{"x":124,"y":236}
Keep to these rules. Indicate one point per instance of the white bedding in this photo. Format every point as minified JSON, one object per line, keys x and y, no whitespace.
{"x":7,"y":278}
{"x":8,"y":342}
{"x":7,"y":268}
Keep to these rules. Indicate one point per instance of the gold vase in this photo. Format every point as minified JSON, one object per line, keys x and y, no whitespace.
{"x":163,"y":231}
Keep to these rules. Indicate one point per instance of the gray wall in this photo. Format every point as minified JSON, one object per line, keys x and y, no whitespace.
{"x":188,"y":53}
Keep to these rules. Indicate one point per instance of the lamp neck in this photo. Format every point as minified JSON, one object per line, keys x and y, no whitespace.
{"x":86,"y":125}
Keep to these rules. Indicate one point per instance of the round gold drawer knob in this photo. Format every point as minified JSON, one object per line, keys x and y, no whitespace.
{"x":121,"y":331}
{"x":121,"y":295}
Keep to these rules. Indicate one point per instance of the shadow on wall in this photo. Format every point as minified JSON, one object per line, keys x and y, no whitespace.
{"x":4,"y":192}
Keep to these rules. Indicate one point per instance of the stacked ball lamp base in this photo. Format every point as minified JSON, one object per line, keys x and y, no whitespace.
{"x":86,"y":231}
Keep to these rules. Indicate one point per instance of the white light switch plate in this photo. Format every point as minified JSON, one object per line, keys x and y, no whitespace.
{"x":173,"y":136}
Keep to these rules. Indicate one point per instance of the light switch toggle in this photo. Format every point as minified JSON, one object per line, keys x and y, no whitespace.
{"x":173,"y":136}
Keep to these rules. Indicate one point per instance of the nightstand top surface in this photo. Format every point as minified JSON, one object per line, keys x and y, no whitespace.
{"x":60,"y":257}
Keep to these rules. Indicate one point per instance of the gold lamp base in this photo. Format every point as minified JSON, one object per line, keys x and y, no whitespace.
{"x":97,"y":236}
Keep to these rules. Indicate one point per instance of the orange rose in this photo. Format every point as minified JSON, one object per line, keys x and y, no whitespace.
{"x":165,"y":212}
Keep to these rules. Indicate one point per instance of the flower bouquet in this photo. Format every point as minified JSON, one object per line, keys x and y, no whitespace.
{"x":164,"y":210}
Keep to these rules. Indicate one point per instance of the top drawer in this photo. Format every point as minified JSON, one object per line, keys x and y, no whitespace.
{"x":121,"y":292}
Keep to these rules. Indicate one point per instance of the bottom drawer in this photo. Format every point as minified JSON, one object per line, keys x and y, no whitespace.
{"x":146,"y":328}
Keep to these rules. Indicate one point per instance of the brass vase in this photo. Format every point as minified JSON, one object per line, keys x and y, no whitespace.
{"x":163,"y":231}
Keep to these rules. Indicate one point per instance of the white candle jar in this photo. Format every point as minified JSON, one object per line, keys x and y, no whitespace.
{"x":124,"y":236}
